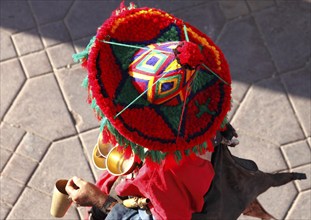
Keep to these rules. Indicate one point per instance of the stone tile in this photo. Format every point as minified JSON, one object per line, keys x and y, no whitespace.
{"x":267,"y":113}
{"x":63,"y":160}
{"x":10,"y":190}
{"x":301,"y":208}
{"x":239,"y":90}
{"x":16,"y":15}
{"x":76,"y":96}
{"x":36,"y":205}
{"x":286,"y":29}
{"x":12,"y":79}
{"x":297,"y":153}
{"x":277,"y":200}
{"x":234,"y":107}
{"x":233,"y":8}
{"x":6,"y":45}
{"x":61,"y":55}
{"x":4,"y":210}
{"x":5,"y":155}
{"x":89,"y":140}
{"x":304,"y":184}
{"x":96,"y":13}
{"x":245,"y":51}
{"x":298,"y":86}
{"x":20,"y":168}
{"x":284,"y":1}
{"x":213,"y":20}
{"x":169,"y":5}
{"x":10,"y":136}
{"x":36,"y":64}
{"x":42,"y":10}
{"x":256,"y":5}
{"x":43,"y":109}
{"x":54,"y":33}
{"x":256,"y":149}
{"x":27,"y":42}
{"x":33,"y":146}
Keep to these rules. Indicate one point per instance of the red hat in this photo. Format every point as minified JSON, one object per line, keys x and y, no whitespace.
{"x":159,"y":86}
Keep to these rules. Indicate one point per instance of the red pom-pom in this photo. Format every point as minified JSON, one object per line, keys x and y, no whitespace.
{"x":189,"y":55}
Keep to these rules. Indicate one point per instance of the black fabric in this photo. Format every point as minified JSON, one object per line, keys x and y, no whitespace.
{"x":247,"y":164}
{"x":236,"y":184}
{"x":229,"y":133}
{"x":97,"y":214}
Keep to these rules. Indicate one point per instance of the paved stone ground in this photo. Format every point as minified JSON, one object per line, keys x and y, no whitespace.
{"x":48,"y":130}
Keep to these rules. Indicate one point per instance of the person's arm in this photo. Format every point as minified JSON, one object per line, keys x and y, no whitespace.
{"x":84,"y":193}
{"x":87,"y":194}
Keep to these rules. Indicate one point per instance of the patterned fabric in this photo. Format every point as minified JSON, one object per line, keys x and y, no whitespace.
{"x":156,"y":69}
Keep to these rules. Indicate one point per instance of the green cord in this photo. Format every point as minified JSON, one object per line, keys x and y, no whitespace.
{"x":214,"y":74}
{"x":186,"y":33}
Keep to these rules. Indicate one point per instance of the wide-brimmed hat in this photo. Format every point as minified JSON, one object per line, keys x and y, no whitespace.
{"x":159,"y":86}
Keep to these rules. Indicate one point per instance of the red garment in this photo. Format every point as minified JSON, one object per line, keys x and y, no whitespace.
{"x":174,"y":193}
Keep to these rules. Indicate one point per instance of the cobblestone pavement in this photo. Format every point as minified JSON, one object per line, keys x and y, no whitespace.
{"x":48,"y":130}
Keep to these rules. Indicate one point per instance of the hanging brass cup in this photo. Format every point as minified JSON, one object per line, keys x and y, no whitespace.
{"x":99,"y":161}
{"x":103,"y":148}
{"x":118,"y":165}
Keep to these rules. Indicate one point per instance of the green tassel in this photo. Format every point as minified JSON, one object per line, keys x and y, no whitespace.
{"x":224,"y":122}
{"x":152,"y":154}
{"x":103,"y":123}
{"x":96,"y":108}
{"x":93,"y":104}
{"x":204,"y":145}
{"x":156,"y":156}
{"x":98,"y":111}
{"x":85,"y":82}
{"x":141,"y":152}
{"x":178,"y":155}
{"x":119,"y":138}
{"x":135,"y":149}
{"x":85,"y":53}
{"x":195,"y":149}
{"x":187,"y":152}
{"x":133,"y":146}
{"x":163,"y":156}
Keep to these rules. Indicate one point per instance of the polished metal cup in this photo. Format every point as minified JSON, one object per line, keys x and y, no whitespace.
{"x":117,"y":164}
{"x":99,"y":160}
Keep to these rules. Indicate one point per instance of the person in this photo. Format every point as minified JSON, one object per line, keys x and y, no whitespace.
{"x":161,"y":89}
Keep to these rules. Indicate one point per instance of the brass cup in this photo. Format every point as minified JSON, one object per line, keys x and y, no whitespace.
{"x":117,"y":165}
{"x":103,"y":148}
{"x":98,"y":160}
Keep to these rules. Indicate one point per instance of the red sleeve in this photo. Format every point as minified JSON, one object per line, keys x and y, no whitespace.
{"x":105,"y":182}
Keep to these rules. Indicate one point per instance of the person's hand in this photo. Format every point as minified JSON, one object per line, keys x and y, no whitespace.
{"x":84,"y":193}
